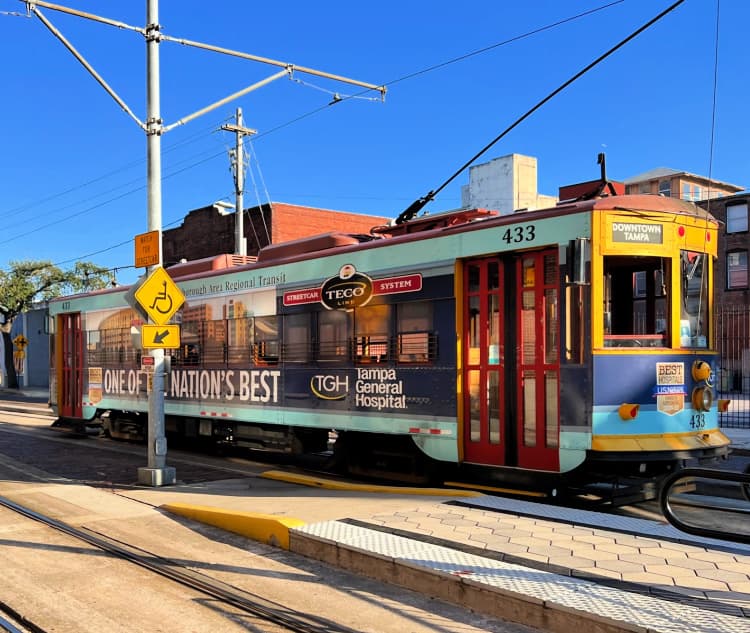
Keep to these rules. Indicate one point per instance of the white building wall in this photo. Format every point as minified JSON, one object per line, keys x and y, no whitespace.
{"x":505,"y":184}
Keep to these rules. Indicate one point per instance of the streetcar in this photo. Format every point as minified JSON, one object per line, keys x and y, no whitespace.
{"x":561,"y":345}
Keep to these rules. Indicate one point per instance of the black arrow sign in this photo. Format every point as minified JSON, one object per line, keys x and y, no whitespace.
{"x":160,"y":336}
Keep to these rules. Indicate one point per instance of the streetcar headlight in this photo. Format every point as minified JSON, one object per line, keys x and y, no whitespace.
{"x":628,"y":411}
{"x":702,"y":398}
{"x":701,"y":370}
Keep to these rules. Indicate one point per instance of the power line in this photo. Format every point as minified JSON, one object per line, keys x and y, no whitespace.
{"x":213,"y":129}
{"x":123,"y":168}
{"x":511,"y":40}
{"x":335,"y":101}
{"x":420,"y":203}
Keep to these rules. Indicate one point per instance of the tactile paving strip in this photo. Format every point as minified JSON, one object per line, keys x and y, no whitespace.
{"x":651,"y":613}
{"x":629,"y":525}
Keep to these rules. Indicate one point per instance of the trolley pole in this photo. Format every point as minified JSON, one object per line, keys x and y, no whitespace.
{"x":240,"y":243}
{"x":156,"y":473}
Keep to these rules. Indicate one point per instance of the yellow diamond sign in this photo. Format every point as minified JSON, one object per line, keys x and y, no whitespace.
{"x":159,"y":296}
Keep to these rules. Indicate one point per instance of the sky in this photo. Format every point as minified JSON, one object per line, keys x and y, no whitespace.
{"x":73,"y":170}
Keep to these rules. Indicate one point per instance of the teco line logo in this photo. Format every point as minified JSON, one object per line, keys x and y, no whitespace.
{"x":347,"y":291}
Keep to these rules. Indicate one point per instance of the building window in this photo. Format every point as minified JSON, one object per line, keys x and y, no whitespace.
{"x":665,"y":188}
{"x":737,"y":218}
{"x":644,"y":187}
{"x":736,"y":269}
{"x":691,"y":192}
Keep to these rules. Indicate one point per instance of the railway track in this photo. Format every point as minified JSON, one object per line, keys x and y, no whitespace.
{"x":262,"y":610}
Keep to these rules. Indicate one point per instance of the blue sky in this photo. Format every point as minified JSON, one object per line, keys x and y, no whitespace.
{"x":74,"y":164}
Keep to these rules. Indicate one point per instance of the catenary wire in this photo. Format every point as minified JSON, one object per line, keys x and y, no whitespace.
{"x":420,"y":203}
{"x":319,"y":109}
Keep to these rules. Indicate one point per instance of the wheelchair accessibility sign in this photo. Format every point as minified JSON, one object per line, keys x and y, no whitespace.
{"x":159,"y":296}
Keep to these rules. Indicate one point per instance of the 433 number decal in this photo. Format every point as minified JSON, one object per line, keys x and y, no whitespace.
{"x":517,"y":234}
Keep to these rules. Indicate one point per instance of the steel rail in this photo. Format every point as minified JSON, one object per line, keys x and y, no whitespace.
{"x":248,"y":603}
{"x":686,"y":475}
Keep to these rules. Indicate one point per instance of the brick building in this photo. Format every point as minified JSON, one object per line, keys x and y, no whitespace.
{"x":731,"y":272}
{"x":210,"y":230}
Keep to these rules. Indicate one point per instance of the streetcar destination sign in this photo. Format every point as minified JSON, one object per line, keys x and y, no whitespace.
{"x":637,"y":232}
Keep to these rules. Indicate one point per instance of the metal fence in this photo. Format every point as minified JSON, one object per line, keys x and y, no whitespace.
{"x":733,"y":375}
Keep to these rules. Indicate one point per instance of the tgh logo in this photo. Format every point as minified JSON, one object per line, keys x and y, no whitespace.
{"x":346,"y":291}
{"x":329,"y":387}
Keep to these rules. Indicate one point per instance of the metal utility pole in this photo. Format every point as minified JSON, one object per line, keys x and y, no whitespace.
{"x":238,"y":167}
{"x":156,"y":473}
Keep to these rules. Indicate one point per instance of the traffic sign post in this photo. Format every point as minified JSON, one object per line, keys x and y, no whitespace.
{"x":160,"y":298}
{"x":148,"y":245}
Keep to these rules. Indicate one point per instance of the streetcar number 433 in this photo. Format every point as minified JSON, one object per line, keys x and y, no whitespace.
{"x":517,"y":234}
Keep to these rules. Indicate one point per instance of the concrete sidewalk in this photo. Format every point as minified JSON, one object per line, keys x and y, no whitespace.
{"x":546,"y":566}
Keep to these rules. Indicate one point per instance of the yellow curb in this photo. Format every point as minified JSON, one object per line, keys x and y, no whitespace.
{"x":328,"y":484}
{"x":266,"y":528}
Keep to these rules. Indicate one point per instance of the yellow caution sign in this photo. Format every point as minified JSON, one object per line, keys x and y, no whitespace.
{"x":160,"y":336}
{"x":159,"y":296}
{"x":20,"y":342}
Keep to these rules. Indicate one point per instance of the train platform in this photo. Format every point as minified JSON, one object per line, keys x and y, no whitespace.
{"x":548,"y":567}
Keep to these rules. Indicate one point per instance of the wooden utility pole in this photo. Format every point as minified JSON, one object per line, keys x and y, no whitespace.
{"x":238,"y":169}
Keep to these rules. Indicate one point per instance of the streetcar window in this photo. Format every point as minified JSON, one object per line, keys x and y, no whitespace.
{"x":94,"y":347}
{"x":111,"y":345}
{"x":415,"y":337}
{"x":266,"y":345}
{"x":574,"y":324}
{"x":333,"y":335}
{"x":636,"y":301}
{"x":694,"y":304}
{"x":296,"y":338}
{"x":214,"y":342}
{"x":190,"y":335}
{"x":240,"y":333}
{"x":191,"y":354}
{"x":372,"y":324}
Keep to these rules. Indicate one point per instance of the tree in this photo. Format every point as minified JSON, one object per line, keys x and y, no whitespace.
{"x":29,"y":282}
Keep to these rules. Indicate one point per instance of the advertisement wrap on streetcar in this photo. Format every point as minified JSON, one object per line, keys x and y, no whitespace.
{"x":543,"y":348}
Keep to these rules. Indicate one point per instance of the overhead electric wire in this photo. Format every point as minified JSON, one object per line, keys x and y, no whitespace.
{"x":511,"y":40}
{"x":140,"y":161}
{"x":306,"y":115}
{"x":420,"y":203}
{"x":713,"y":103}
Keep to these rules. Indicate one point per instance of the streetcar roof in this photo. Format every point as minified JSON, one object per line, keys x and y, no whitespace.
{"x":421,"y":228}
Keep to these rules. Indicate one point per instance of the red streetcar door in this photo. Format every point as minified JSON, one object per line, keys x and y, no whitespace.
{"x":537,"y":360}
{"x":70,"y":392}
{"x":483,"y":362}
